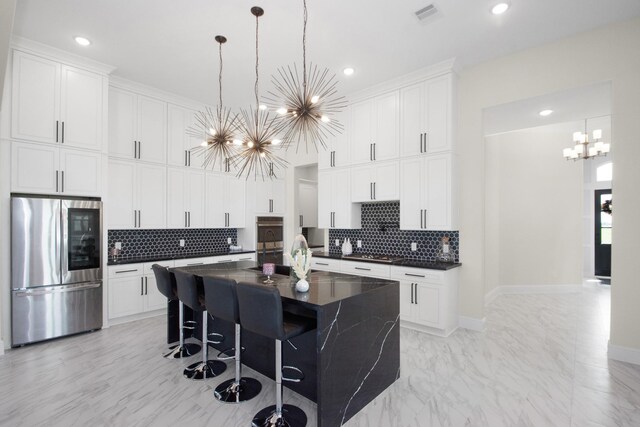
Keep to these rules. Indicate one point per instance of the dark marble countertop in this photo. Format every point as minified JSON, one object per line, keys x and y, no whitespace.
{"x":431,"y":265}
{"x":136,"y":260}
{"x":324,"y":287}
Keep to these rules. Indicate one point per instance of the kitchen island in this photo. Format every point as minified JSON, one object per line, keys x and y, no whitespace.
{"x":348,"y":359}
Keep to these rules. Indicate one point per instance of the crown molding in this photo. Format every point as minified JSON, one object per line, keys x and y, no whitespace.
{"x":152,"y":92}
{"x":436,"y":70}
{"x":59,"y":55}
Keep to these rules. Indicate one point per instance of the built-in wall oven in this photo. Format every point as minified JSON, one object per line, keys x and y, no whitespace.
{"x":56,"y":267}
{"x":270,"y":239}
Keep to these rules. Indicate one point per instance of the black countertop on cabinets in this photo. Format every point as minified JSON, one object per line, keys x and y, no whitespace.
{"x":432,"y":265}
{"x":140,"y":259}
{"x":324,"y":287}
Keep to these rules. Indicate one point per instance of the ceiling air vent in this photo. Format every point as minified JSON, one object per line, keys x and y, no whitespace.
{"x":426,"y":12}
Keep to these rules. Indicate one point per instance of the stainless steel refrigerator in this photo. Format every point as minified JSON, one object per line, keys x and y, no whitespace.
{"x":56,"y":267}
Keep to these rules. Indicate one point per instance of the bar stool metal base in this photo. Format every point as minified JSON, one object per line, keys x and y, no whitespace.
{"x":231,"y":392}
{"x":292,"y":416}
{"x":188,"y":350}
{"x":202,"y":371}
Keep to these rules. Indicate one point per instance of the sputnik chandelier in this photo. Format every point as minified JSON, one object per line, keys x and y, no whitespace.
{"x":259,"y":132}
{"x":306,"y":105}
{"x":217,"y":128}
{"x":582,"y":150}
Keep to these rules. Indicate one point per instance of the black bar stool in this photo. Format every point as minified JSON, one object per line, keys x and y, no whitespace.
{"x":167,"y":287}
{"x":221,"y":301}
{"x":189,"y":295}
{"x":261,"y":312}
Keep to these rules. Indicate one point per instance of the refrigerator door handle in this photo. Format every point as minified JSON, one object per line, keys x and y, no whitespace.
{"x":57,"y":289}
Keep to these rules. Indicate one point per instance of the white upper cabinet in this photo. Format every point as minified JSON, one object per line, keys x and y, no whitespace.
{"x":186,"y":194}
{"x":180,"y":143}
{"x":337,"y":152}
{"x":137,"y":126}
{"x":426,"y":195}
{"x":137,"y":195}
{"x":55,"y":103}
{"x":335,"y":209}
{"x":425,"y":118}
{"x":225,"y":201}
{"x":375,"y":183}
{"x":374,"y":129}
{"x":270,"y":196}
{"x":48,"y":169}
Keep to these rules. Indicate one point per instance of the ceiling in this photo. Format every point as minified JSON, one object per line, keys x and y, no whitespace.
{"x":169,"y":44}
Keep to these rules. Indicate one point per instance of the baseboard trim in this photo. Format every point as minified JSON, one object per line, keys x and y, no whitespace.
{"x":624,"y":354}
{"x":471,"y":323}
{"x":530,"y":289}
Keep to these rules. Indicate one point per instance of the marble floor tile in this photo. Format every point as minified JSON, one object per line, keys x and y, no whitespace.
{"x":542,"y":361}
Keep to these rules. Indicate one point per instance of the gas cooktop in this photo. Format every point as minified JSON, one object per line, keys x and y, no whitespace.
{"x":387,"y":259}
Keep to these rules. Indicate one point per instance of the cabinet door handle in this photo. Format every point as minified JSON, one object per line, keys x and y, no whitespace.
{"x":139,"y":150}
{"x":425,"y":217}
{"x":374,"y":151}
{"x":62,"y":174}
{"x":189,"y":153}
{"x":56,"y":181}
{"x":363,"y":269}
{"x":414,"y":275}
{"x":135,"y":218}
{"x":416,"y":294}
{"x":412,"y":293}
{"x":322,"y":263}
{"x":371,"y":152}
{"x":189,"y":216}
{"x":135,"y":149}
{"x":300,"y":220}
{"x":141,"y":286}
{"x":371,"y":190}
{"x":374,"y":191}
{"x":63,"y":132}
{"x":139,"y":218}
{"x":57,"y":125}
{"x":186,"y":163}
{"x":146,"y":286}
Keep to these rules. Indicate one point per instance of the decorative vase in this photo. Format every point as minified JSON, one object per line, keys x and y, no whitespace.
{"x":299,"y":252}
{"x":302,"y":285}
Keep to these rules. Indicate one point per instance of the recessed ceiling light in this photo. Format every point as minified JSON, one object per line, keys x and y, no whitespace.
{"x":545,"y":113}
{"x":500,"y":8}
{"x":348,"y":71}
{"x":82,"y":41}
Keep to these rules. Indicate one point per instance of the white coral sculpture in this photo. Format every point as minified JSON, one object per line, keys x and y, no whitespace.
{"x":300,"y":262}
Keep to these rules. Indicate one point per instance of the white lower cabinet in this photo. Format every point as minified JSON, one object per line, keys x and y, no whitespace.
{"x":428,"y":299}
{"x":44,"y":169}
{"x":133,"y":289}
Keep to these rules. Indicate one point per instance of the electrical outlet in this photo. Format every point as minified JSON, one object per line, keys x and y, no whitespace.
{"x":337,"y":242}
{"x":229,"y":240}
{"x":414,"y":246}
{"x":118,"y":245}
{"x":182,"y":243}
{"x":359,"y":243}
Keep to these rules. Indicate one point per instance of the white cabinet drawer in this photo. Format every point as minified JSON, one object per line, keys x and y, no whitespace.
{"x":147,"y":266}
{"x":417,"y":275}
{"x":244,"y":257}
{"x":187,"y":262}
{"x":129,"y":270}
{"x":325,"y":264}
{"x":366,"y":269}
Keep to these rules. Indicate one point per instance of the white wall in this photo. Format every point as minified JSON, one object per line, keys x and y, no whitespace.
{"x":535,"y":195}
{"x":610,"y":53}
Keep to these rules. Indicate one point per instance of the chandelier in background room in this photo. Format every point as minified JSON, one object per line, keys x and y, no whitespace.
{"x":583,"y":149}
{"x":216,"y":128}
{"x":259,"y":133}
{"x":306,"y":104}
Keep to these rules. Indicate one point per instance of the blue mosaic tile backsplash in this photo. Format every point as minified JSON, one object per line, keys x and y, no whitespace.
{"x":381,"y":234}
{"x":165,"y":243}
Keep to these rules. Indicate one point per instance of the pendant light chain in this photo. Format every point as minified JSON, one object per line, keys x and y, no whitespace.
{"x":257,"y":74}
{"x":220,"y":73}
{"x":304,"y":50}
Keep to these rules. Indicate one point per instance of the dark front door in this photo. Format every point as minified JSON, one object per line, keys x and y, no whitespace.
{"x":602,"y":233}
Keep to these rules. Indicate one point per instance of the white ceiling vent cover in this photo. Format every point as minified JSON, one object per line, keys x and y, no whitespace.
{"x":426,"y":12}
